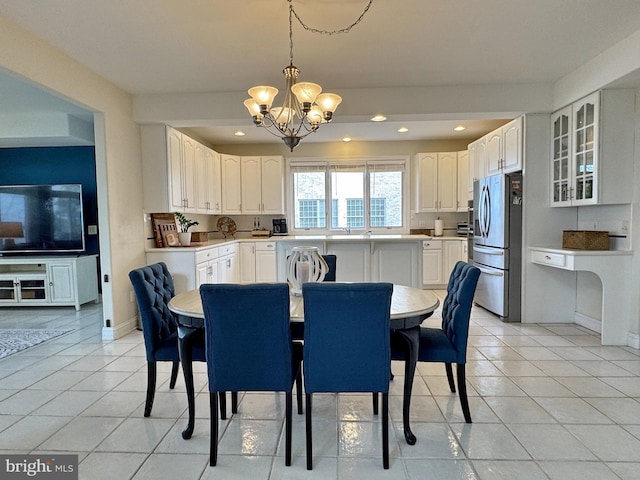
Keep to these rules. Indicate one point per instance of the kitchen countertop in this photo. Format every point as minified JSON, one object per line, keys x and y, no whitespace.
{"x":308,"y":238}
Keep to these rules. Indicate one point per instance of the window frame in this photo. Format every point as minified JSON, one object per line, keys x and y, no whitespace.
{"x":402,"y":162}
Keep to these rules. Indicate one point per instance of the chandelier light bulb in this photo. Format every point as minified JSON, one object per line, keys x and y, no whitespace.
{"x":328,"y":102}
{"x":263,"y":95}
{"x":252,"y":106}
{"x":306,"y":92}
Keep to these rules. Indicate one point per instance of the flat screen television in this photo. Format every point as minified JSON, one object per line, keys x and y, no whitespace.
{"x":41,"y":219}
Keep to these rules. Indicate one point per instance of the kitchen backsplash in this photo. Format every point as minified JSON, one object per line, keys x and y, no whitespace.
{"x":615,"y":219}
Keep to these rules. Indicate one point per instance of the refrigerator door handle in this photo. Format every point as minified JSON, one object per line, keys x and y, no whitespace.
{"x":487,"y":211}
{"x":495,"y":273}
{"x":489,"y":251}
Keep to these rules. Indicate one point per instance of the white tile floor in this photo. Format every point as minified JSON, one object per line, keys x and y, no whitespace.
{"x":548,"y":402}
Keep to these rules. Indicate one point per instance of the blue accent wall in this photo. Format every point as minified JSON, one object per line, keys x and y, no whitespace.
{"x":49,"y":165}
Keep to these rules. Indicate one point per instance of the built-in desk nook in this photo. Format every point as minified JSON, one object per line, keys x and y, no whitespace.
{"x":613,"y":267}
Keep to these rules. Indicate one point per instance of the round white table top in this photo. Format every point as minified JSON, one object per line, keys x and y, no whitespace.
{"x":405,"y":302}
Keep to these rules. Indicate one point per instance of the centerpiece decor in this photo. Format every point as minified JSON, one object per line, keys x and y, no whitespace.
{"x":305,"y":264}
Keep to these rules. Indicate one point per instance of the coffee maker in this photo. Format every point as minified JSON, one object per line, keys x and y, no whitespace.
{"x":280,"y":226}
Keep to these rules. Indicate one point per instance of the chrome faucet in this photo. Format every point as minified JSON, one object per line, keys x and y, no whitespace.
{"x":348,"y":230}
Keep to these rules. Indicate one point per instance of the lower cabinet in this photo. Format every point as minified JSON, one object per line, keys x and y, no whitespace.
{"x":396,"y":263}
{"x":257,"y":262}
{"x":49,"y":281}
{"x":439,"y":257}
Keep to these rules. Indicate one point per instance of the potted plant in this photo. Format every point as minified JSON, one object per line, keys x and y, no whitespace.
{"x":185,"y":224}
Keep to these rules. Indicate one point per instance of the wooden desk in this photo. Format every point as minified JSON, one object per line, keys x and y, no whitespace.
{"x":409,"y":307}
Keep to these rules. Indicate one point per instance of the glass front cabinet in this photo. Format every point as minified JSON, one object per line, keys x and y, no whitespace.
{"x":574,"y":147}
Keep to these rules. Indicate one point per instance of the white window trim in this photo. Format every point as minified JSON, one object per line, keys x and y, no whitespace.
{"x":369,"y":160}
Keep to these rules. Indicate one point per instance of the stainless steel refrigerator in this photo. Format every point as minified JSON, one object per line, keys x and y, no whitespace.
{"x":497,"y":244}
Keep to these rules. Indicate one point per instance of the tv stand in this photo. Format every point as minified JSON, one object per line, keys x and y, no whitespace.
{"x":48,"y":281}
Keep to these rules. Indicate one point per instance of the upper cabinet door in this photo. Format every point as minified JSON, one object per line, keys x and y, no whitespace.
{"x":273,"y":185}
{"x":190,"y":150}
{"x":586,"y":114}
{"x":427,"y":178}
{"x":447,"y":182}
{"x":463,"y":181}
{"x":494,"y":152}
{"x":231,"y":197}
{"x":512,"y":146}
{"x":251,"y":181}
{"x":174,"y":163}
{"x":561,"y":157}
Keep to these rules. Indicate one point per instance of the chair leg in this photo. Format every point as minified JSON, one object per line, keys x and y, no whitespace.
{"x":375,"y":403}
{"x":462,"y":392}
{"x":174,"y":374}
{"x":452,"y":385}
{"x":213,"y":441}
{"x":234,"y":402}
{"x":288,"y":427}
{"x":223,"y":405}
{"x":385,"y":430}
{"x":151,"y":387}
{"x":299,"y":391}
{"x":308,"y":431}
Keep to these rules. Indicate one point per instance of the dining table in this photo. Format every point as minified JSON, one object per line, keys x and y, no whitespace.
{"x":409,"y":308}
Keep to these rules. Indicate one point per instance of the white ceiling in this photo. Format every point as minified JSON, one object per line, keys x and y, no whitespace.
{"x":196,"y":46}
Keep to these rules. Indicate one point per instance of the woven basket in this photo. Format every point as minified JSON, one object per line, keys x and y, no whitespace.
{"x":585,"y":240}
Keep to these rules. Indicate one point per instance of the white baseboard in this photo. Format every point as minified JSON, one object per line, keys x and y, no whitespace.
{"x":586,"y":321}
{"x":119,"y":331}
{"x":633,"y":340}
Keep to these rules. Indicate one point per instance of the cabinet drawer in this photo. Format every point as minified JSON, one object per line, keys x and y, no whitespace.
{"x":266,"y":246}
{"x":548,"y":258}
{"x":227,"y":249}
{"x":205,"y":255}
{"x":431,"y":244}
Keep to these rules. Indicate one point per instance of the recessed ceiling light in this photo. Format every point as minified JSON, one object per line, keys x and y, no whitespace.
{"x":403,"y":130}
{"x":460,"y":128}
{"x":239,"y":133}
{"x":346,"y":139}
{"x":378,"y":118}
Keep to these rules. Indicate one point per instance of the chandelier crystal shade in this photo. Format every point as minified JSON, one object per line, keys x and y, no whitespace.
{"x":303,"y":109}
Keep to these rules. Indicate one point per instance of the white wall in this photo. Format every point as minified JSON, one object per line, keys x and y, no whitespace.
{"x":119,"y":170}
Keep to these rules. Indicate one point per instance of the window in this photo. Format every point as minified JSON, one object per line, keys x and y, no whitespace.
{"x":377,"y":215}
{"x":362,"y":195}
{"x":311,"y":213}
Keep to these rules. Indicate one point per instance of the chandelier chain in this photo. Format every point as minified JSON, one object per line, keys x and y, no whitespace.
{"x":328,"y":32}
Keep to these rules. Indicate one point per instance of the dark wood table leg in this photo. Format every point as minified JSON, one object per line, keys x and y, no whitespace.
{"x":411,"y":338}
{"x":185,"y":345}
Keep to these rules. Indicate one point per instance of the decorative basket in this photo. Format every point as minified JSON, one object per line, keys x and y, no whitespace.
{"x":585,"y":240}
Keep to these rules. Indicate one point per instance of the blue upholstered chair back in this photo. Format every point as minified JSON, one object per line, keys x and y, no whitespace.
{"x":346,"y":337}
{"x":247,"y":337}
{"x":456,"y":308}
{"x":153,"y":287}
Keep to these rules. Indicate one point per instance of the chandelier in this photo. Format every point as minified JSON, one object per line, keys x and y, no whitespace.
{"x":305,"y":107}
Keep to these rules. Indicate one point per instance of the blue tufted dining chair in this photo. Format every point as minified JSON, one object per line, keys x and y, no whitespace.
{"x":449,"y":343}
{"x":347,"y":346}
{"x":249,"y":347}
{"x":153,"y":287}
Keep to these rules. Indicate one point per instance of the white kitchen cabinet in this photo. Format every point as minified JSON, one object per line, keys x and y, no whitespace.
{"x":247,"y":262}
{"x":231,"y":184}
{"x":504,"y":148}
{"x":592,"y":150}
{"x":477,"y":162}
{"x":262,"y":185}
{"x":48,"y":281}
{"x":207,"y":266}
{"x":397,"y":263}
{"x":209,"y":182}
{"x":463,"y":181}
{"x":453,"y":251}
{"x":437,"y":181}
{"x":266,"y":262}
{"x":353,"y":260}
{"x":432,"y":262}
{"x":228,"y":264}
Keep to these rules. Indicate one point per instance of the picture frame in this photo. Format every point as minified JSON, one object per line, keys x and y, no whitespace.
{"x":170,"y":238}
{"x":163,"y":222}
